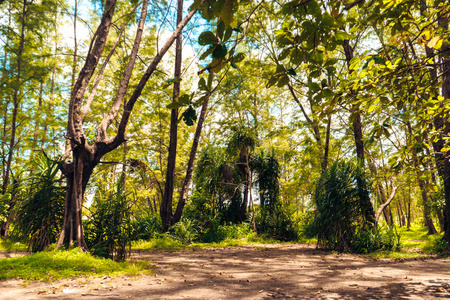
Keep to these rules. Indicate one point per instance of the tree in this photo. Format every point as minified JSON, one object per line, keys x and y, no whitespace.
{"x":85,"y":157}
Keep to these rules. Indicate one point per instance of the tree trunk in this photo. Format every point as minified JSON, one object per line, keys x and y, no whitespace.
{"x":385,"y":202}
{"x":440,"y":122}
{"x":192,"y":155}
{"x":166,"y":204}
{"x":426,"y":208}
{"x":77,"y":176}
{"x":16,"y":104}
{"x":363,"y":194}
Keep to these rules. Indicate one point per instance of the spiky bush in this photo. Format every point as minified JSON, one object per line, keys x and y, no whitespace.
{"x":40,"y":214}
{"x":338,"y":211}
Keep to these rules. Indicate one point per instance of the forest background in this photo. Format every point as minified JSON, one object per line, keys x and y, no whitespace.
{"x":325,"y":119}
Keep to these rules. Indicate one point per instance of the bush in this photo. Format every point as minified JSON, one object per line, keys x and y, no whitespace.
{"x":340,"y":220}
{"x":436,"y":244}
{"x":145,"y":227}
{"x":368,"y":240}
{"x":40,"y":214}
{"x":185,"y":231}
{"x":277,"y":223}
{"x":217,"y":232}
{"x":108,"y":230}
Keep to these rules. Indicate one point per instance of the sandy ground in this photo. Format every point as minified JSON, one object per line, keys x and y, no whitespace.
{"x":255,"y":272}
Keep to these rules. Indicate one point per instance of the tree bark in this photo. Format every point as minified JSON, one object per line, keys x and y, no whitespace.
{"x":426,"y":207}
{"x":86,"y":157}
{"x":192,"y":155}
{"x":386,"y":202}
{"x":166,"y":203}
{"x":363,"y":194}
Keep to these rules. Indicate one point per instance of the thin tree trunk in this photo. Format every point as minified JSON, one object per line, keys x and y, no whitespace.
{"x":426,"y":208}
{"x":386,"y":202}
{"x":363,"y":194}
{"x":16,"y":103}
{"x":192,"y":155}
{"x":166,"y":203}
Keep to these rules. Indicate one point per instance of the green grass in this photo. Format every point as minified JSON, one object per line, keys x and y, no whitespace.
{"x":58,"y":264}
{"x":415,"y":243}
{"x":166,"y":242}
{"x":10,"y":245}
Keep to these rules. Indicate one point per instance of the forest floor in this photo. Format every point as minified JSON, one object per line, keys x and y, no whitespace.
{"x":283,"y":271}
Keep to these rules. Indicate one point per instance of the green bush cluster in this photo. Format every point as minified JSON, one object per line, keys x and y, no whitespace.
{"x":339,"y":221}
{"x":108,"y":228}
{"x":40,"y":212}
{"x":367,"y":240}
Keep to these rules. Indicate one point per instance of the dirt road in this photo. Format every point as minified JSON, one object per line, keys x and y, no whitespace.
{"x":255,"y":272}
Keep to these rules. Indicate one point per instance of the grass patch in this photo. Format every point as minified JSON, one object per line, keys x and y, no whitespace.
{"x":11,"y":245}
{"x":58,"y":264}
{"x":167,"y":242}
{"x":416,"y":243}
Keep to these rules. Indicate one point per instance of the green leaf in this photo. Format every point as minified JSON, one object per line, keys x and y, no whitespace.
{"x":189,"y":116}
{"x":227,"y":11}
{"x":291,"y":71}
{"x":314,"y":86}
{"x":174,"y":105}
{"x":184,"y":99}
{"x":228,"y":33}
{"x":327,"y":20}
{"x":220,"y":51}
{"x":327,"y":93}
{"x":238,"y":57}
{"x":272,"y":81}
{"x":316,"y":74}
{"x":342,"y":35}
{"x":207,"y":52}
{"x":284,"y":80}
{"x":170,"y":81}
{"x":284,"y":53}
{"x":234,"y":66}
{"x":202,"y":85}
{"x":207,"y":38}
{"x":297,"y":56}
{"x":220,"y":29}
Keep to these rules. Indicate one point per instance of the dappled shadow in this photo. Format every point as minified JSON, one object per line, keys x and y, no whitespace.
{"x":271,"y":271}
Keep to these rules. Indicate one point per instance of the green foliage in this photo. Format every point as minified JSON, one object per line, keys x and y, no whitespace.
{"x":9,"y":244}
{"x":58,"y":264}
{"x":217,"y":232}
{"x":145,"y":226}
{"x":160,"y":241}
{"x":40,"y":214}
{"x":185,"y":231}
{"x":108,"y":229}
{"x":436,"y":244}
{"x":4,"y":198}
{"x":338,"y":216}
{"x":368,"y":240}
{"x":277,"y":223}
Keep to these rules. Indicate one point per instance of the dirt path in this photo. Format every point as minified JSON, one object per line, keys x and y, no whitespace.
{"x":256,"y":272}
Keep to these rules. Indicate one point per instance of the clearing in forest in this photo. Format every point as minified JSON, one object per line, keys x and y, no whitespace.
{"x":284,"y":271}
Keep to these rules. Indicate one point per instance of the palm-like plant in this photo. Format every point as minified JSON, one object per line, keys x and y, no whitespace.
{"x":338,"y":207}
{"x":40,"y":214}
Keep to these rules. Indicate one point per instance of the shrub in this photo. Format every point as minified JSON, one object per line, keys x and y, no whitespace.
{"x":436,"y":244}
{"x":40,"y":214}
{"x":185,"y":231}
{"x":337,"y":213}
{"x":108,"y":230}
{"x":368,"y":240}
{"x":145,"y":227}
